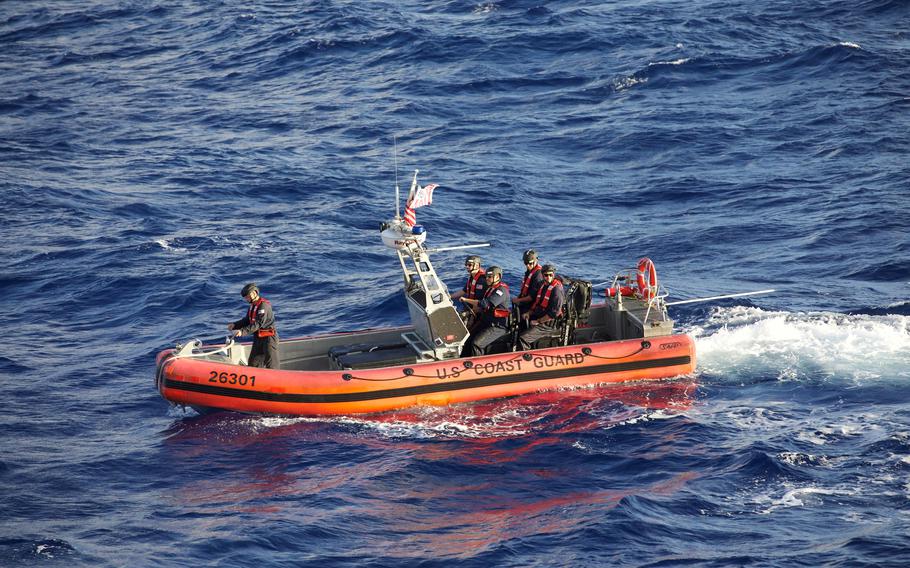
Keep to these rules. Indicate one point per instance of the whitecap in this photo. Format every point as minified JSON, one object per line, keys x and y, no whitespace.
{"x":168,"y":245}
{"x":674,"y":62}
{"x":801,"y":497}
{"x":791,"y":346}
{"x":628,"y":82}
{"x":802,"y":460}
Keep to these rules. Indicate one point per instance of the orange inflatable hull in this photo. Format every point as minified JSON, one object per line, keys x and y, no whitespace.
{"x":201,"y":383}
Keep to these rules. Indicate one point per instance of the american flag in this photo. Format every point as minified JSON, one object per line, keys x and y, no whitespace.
{"x":423,"y":196}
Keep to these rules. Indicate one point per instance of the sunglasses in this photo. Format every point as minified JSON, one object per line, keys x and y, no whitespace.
{"x":550,"y":274}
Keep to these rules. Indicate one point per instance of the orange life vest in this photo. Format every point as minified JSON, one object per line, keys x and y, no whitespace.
{"x":542,"y":301}
{"x":473,"y":281}
{"x":526,"y":283}
{"x":497,"y":311}
{"x":251,"y":315}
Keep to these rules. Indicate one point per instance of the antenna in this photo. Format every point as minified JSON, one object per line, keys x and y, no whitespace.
{"x":397,"y":205}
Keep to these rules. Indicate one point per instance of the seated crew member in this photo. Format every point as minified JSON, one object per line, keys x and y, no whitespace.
{"x":493,"y":312}
{"x":260,"y":323}
{"x":473,"y":288}
{"x":531,"y":283}
{"x":547,"y":306}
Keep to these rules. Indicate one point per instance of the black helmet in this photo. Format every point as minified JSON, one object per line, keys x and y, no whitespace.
{"x":248,"y":289}
{"x":529,"y":255}
{"x":472,"y":260}
{"x":548,"y":268}
{"x":494,"y":271}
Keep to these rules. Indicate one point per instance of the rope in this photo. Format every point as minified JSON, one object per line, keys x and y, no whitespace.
{"x":408,"y":372}
{"x":644,"y":345}
{"x":221,"y":349}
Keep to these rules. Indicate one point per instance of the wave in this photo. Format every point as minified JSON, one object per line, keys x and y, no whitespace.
{"x":576,"y":411}
{"x":791,"y":346}
{"x":890,"y":271}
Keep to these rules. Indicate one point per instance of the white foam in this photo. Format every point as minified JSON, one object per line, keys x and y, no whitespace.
{"x":485,"y":8}
{"x":645,"y":417}
{"x":627,"y":83}
{"x":792,"y":345}
{"x":674,"y":62}
{"x":801,"y":459}
{"x":802,"y":497}
{"x":849,"y":44}
{"x":166,"y":244}
{"x":420,"y":423}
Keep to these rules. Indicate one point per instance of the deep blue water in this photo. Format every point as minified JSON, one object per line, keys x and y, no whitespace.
{"x":155,"y":156}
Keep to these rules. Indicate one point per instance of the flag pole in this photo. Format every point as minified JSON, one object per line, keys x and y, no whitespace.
{"x":413,"y":185}
{"x":397,"y":198}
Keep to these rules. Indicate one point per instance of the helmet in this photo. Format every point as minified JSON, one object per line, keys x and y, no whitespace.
{"x":473,"y":259}
{"x":529,"y":255}
{"x":548,"y":268}
{"x":494,"y":271}
{"x":249,"y":288}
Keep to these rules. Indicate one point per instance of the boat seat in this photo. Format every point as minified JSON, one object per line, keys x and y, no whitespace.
{"x":371,"y":356}
{"x":555,"y":339}
{"x":577,"y":310}
{"x":562,"y":335}
{"x":508,"y":342}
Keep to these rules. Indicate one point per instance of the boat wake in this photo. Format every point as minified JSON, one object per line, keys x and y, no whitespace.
{"x":744,"y":340}
{"x":563,"y":411}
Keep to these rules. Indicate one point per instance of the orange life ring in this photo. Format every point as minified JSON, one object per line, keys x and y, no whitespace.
{"x":647,"y":278}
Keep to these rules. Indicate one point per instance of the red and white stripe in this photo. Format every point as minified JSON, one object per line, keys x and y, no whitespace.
{"x":423,"y":196}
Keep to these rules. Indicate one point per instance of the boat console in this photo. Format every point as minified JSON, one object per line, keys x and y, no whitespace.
{"x":438,"y":332}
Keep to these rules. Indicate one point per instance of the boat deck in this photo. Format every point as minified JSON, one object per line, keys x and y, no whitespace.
{"x":397,"y":346}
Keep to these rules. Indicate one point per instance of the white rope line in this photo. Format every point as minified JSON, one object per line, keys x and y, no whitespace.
{"x":196,"y":344}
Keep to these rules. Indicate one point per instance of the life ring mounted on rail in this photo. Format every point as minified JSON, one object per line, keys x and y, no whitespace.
{"x":646,"y":279}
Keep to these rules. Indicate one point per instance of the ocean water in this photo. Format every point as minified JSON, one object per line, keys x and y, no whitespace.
{"x":157,"y":155}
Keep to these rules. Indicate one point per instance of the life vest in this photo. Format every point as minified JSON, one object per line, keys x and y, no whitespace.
{"x":526,"y":283}
{"x":498,"y":312}
{"x":251,"y":315}
{"x":473,"y":282}
{"x":542,"y":301}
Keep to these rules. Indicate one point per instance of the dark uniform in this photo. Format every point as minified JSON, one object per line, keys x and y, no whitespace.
{"x":260,"y":323}
{"x":530,"y":285}
{"x":494,"y":309}
{"x":475,"y":285}
{"x":549,"y":302}
{"x":473,"y":289}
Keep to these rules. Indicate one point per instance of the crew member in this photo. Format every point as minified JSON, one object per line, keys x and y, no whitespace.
{"x":493,"y":312}
{"x":547,"y":306}
{"x":531,"y":283}
{"x":473,"y":288}
{"x":260,"y":323}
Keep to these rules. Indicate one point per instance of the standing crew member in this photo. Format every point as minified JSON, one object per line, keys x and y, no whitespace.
{"x":260,"y":323}
{"x":494,"y":309}
{"x":546,"y":308}
{"x":531,"y":283}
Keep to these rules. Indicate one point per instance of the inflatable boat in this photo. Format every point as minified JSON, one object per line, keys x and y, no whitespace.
{"x":629,"y":337}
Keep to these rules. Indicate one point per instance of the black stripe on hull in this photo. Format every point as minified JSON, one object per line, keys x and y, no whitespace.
{"x":441,"y":386}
